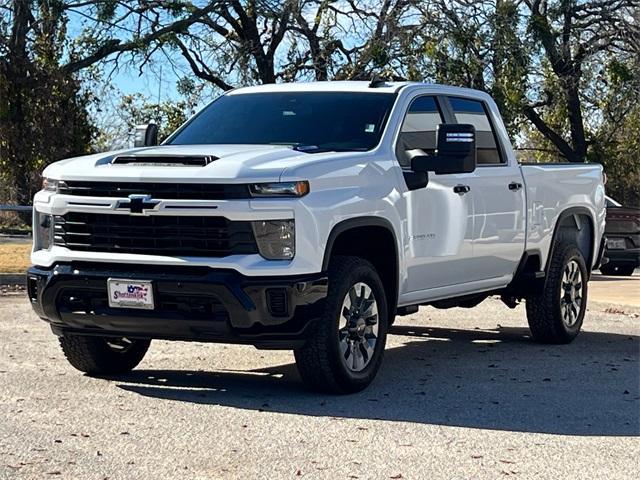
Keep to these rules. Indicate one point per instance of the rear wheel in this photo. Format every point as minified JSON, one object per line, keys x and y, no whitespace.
{"x":556,"y":314}
{"x":613,"y":269}
{"x":345,"y":351}
{"x":103,"y":356}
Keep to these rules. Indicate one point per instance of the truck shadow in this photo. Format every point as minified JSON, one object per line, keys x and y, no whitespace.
{"x":493,"y":379}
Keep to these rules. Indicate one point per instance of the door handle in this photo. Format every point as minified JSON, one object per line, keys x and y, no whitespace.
{"x":515,"y":186}
{"x":461,"y":189}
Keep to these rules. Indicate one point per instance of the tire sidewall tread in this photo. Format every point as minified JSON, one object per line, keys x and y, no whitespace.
{"x":543,"y":310}
{"x":93,"y":356}
{"x":319,"y":360}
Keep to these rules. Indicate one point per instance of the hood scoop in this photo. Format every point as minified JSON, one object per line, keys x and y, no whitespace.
{"x":164,"y":160}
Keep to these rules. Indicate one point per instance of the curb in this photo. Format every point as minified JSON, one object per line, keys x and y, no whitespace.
{"x":13,"y":279}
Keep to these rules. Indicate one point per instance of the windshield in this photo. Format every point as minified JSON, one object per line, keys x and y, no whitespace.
{"x":309,"y":121}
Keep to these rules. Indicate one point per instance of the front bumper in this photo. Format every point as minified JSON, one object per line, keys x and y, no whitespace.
{"x":192,"y":303}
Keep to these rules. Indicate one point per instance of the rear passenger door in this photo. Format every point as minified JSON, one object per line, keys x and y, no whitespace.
{"x":498,"y":195}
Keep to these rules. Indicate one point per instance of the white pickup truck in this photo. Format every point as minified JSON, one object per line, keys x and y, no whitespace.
{"x":307,"y":217}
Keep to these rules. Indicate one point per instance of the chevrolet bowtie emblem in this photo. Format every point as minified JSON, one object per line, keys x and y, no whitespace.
{"x":138,"y":203}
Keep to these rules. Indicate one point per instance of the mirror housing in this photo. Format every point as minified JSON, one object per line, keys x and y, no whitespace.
{"x":145,"y":135}
{"x":455,"y":153}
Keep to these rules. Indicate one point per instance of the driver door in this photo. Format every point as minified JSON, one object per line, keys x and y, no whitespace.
{"x":439,"y":227}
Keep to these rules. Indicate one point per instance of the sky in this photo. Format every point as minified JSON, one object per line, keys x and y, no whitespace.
{"x":157,"y":78}
{"x":151,"y":83}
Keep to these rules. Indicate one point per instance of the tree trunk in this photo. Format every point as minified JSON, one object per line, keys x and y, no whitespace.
{"x":15,"y":149}
{"x":574,"y":114}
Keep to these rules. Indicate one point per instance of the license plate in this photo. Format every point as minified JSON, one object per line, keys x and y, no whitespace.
{"x":616,"y":244}
{"x":125,"y":293}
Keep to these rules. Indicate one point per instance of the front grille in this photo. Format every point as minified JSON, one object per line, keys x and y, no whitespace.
{"x":154,"y":235}
{"x":169,"y":191}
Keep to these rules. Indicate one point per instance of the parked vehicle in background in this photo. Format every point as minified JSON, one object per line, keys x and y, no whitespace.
{"x":622,"y":230}
{"x":306,"y":217}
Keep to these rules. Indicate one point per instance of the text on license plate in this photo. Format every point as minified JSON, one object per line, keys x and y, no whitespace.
{"x":125,"y":293}
{"x":616,"y":243}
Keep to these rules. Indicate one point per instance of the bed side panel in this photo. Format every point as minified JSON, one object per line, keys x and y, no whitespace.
{"x":551,"y":189}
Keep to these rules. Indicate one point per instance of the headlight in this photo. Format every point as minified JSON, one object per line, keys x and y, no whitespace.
{"x":276,"y":239}
{"x":280,"y":189}
{"x":50,"y":185}
{"x":43,"y":227}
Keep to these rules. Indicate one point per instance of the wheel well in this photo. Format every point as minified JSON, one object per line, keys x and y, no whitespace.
{"x":575,"y":226}
{"x":578,"y":228}
{"x":377,"y":244}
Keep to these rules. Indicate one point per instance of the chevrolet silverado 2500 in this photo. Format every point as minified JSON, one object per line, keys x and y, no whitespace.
{"x":307,"y":217}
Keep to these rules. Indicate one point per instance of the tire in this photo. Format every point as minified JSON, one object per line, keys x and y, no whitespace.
{"x":556,"y":314}
{"x":103,"y":356}
{"x":618,"y":270}
{"x":346,"y":347}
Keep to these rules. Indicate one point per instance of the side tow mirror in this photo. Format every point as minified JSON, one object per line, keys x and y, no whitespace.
{"x":145,"y":135}
{"x":456,"y":151}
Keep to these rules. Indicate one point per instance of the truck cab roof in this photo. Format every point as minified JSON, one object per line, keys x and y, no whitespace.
{"x":328,"y":86}
{"x":354,"y":86}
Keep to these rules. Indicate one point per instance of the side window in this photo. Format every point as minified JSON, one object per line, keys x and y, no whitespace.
{"x":419,"y":128}
{"x":474,"y":112}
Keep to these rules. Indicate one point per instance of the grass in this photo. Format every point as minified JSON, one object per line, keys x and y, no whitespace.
{"x":14,"y":257}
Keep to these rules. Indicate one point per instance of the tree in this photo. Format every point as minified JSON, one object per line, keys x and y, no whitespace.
{"x":542,"y":60}
{"x":555,"y":68}
{"x":569,"y":35}
{"x":250,"y":42}
{"x":477,"y":45}
{"x":31,"y":94}
{"x":43,"y":109}
{"x":137,"y":109}
{"x":616,"y":140}
{"x":609,"y":108}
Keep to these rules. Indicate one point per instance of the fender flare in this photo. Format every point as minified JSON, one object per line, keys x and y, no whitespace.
{"x":350,"y":224}
{"x":573,"y":212}
{"x":368,"y":221}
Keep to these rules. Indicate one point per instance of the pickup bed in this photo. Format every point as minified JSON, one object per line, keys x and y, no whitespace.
{"x":307,"y":217}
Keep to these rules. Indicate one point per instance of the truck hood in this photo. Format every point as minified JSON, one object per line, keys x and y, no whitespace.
{"x":231,"y":164}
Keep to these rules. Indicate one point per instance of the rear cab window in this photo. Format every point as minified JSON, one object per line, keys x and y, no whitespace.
{"x":475,"y":112}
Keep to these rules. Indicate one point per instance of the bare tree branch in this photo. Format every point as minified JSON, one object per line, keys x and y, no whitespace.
{"x":114,"y":45}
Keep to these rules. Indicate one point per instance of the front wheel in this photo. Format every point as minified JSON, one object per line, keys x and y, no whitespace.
{"x":556,"y":314}
{"x":103,"y":356}
{"x":345,"y":351}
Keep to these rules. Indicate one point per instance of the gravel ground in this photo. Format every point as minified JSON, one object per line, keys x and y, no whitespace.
{"x":462,"y":394}
{"x":619,"y":291}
